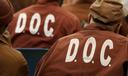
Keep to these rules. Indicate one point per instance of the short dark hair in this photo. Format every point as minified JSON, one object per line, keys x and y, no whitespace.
{"x":60,"y":2}
{"x":101,"y":22}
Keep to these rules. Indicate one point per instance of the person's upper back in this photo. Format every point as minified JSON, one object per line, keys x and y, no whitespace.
{"x":92,"y":52}
{"x":45,"y":21}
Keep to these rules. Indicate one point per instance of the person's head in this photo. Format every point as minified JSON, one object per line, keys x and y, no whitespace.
{"x":6,"y":14}
{"x":47,"y":1}
{"x":107,"y":13}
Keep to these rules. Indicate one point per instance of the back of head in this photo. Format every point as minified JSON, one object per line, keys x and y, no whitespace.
{"x":6,"y":14}
{"x":107,"y":14}
{"x":107,"y":10}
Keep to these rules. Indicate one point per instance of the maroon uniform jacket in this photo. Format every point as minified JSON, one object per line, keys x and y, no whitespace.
{"x":93,"y":52}
{"x":40,"y":25}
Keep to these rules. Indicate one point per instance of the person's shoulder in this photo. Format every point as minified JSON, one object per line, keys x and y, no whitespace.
{"x":10,"y":52}
{"x":77,"y":35}
{"x":25,"y":10}
{"x":123,"y":38}
{"x":103,"y":34}
{"x":19,"y":56}
{"x":11,"y":58}
{"x":65,"y":14}
{"x":117,"y":36}
{"x":17,"y":53}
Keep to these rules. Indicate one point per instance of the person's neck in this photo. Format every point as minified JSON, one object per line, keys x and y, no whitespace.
{"x":110,"y":27}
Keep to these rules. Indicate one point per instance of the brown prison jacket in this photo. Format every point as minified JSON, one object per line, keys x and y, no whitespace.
{"x":40,"y":25}
{"x":12,"y":62}
{"x":92,"y":52}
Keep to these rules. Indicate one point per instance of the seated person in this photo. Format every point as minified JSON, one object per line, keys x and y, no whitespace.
{"x":96,"y":51}
{"x":41,"y":24}
{"x":12,"y":62}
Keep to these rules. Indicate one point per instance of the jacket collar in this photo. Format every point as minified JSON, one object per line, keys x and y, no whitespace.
{"x":47,"y":1}
{"x":93,"y":26}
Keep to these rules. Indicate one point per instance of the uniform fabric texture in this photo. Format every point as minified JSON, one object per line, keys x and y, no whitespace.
{"x":63,"y":23}
{"x":54,"y":62}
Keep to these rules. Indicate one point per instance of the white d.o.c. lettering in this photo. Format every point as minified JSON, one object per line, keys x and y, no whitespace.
{"x":35,"y":23}
{"x":74,"y":46}
{"x":36,"y":17}
{"x":69,"y":57}
{"x":49,"y":33}
{"x":90,"y":41}
{"x":21,"y":23}
{"x":107,"y":43}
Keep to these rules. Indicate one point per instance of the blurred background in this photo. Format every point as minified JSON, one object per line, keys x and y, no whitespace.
{"x":19,"y":4}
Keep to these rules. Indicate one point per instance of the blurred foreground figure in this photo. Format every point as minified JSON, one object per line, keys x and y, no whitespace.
{"x":80,"y":8}
{"x":12,"y":63}
{"x":96,"y":51}
{"x":40,"y":25}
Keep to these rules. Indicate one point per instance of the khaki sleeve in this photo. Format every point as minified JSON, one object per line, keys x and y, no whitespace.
{"x":12,"y":62}
{"x":23,"y":66}
{"x":23,"y":71}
